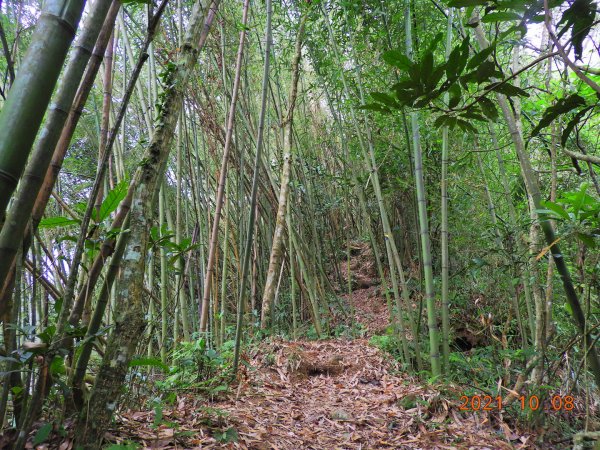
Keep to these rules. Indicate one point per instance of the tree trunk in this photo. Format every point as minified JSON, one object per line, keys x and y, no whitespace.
{"x":129,"y":314}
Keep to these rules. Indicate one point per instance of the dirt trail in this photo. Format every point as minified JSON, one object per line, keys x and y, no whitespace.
{"x":328,"y":394}
{"x":332,"y":394}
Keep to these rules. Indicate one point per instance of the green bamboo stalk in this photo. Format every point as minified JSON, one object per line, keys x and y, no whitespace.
{"x":434,"y":349}
{"x":243,"y":297}
{"x":444,"y":225}
{"x":223,"y":177}
{"x":28,"y":98}
{"x":129,"y":314}
{"x":532,"y":186}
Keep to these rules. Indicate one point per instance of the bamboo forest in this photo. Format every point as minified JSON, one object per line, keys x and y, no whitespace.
{"x":300,"y":224}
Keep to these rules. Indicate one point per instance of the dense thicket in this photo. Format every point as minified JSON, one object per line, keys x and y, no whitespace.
{"x":199,"y":174}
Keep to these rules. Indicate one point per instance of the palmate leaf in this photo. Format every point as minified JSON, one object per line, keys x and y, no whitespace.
{"x":562,"y":106}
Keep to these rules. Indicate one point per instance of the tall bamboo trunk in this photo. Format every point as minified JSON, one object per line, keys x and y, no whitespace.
{"x":129,"y":312}
{"x":278,"y":235}
{"x":68,"y":100}
{"x":533,"y":190}
{"x":445,"y":263}
{"x":212,"y":250}
{"x":28,"y":98}
{"x":434,"y":348}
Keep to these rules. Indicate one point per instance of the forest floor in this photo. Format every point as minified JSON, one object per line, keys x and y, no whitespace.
{"x":336,"y":393}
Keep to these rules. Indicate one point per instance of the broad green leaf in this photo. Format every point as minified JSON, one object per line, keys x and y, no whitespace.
{"x":57,"y":366}
{"x":514,"y":29}
{"x":427,"y":68}
{"x":562,"y":106}
{"x":579,"y":17}
{"x":375,"y":107}
{"x":466,"y":126}
{"x":58,"y":221}
{"x":454,"y":92}
{"x":229,"y":435}
{"x":572,"y":124}
{"x":480,"y":57}
{"x":111,"y":202}
{"x":501,"y":16}
{"x":557,"y":209}
{"x":517,"y":5}
{"x":440,"y":121}
{"x":384,"y":98}
{"x":485,"y":71}
{"x":507,"y":89}
{"x":47,"y":334}
{"x":436,"y":76}
{"x":415,"y":75}
{"x":488,"y":108}
{"x":568,"y":308}
{"x":42,"y":434}
{"x":452,"y":66}
{"x":434,"y":43}
{"x":466,"y":3}
{"x":397,"y":59}
{"x":587,"y":239}
{"x":473,"y":113}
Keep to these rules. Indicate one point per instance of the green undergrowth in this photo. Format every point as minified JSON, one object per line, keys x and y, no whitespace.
{"x":480,"y":371}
